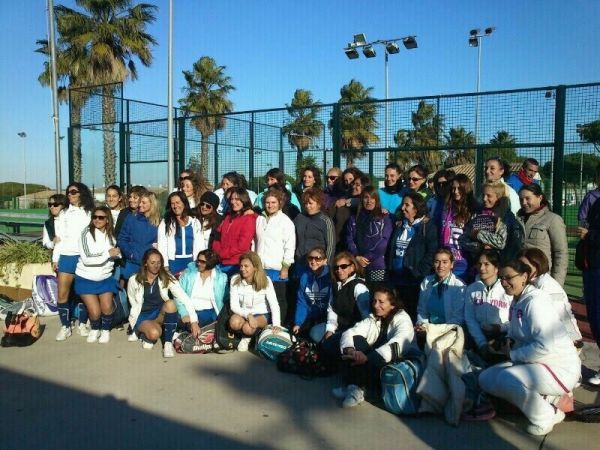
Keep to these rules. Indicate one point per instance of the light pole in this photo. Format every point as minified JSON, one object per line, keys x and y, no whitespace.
{"x":390,"y":48}
{"x":23,"y":135}
{"x":475,"y":37}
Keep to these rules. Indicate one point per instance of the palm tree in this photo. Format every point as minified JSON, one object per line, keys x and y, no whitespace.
{"x":206,"y":97}
{"x":505,"y":150}
{"x":357,"y":120}
{"x":112,"y":33}
{"x":458,"y":138}
{"x":305,"y":127}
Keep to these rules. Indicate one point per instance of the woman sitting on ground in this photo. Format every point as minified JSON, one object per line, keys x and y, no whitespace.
{"x":56,"y":204}
{"x":252,"y":300}
{"x":544,"y":365}
{"x":371,"y":344}
{"x":153,"y":314}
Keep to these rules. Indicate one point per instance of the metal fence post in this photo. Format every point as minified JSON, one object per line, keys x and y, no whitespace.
{"x":251,"y":153}
{"x":216,"y":150}
{"x":478,"y":170}
{"x":181,"y":143}
{"x":336,"y":136}
{"x":70,"y":151}
{"x":122,"y":153}
{"x":281,"y":156}
{"x":559,"y":149}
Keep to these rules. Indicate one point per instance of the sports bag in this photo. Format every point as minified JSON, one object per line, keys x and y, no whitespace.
{"x":185,"y":342}
{"x":269,"y":345}
{"x":399,"y":383}
{"x":43,"y":295}
{"x":303,"y":358}
{"x":121,"y":308}
{"x":21,"y":330}
{"x":225,"y":339}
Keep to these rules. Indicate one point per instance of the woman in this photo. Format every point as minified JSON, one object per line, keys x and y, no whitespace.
{"x":391,"y":192}
{"x":57,"y":203}
{"x":252,"y":300}
{"x":153,"y":314}
{"x":310,"y":177}
{"x":487,"y":306}
{"x":313,"y":229}
{"x":314,"y":295}
{"x":495,"y":172}
{"x":441,"y":299}
{"x":412,"y":247}
{"x":543,"y":365}
{"x":368,"y":234}
{"x":205,"y":285}
{"x":544,"y":230}
{"x":65,"y":256}
{"x":334,"y":187}
{"x":276,"y":177}
{"x":349,"y":208}
{"x":541,"y":279}
{"x":179,"y":235}
{"x":114,"y":200}
{"x":458,"y":209}
{"x":133,"y":202}
{"x":275,"y":244}
{"x":235,"y":233}
{"x":139,"y":234}
{"x":367,"y":347}
{"x":94,"y":282}
{"x":209,"y":218}
{"x":193,"y":185}
{"x":416,"y":181}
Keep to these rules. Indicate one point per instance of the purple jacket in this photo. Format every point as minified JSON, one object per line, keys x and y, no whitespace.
{"x":587,"y":203}
{"x":369,"y":236}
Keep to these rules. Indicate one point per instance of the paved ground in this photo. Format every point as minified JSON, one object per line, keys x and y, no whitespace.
{"x":79,"y":395}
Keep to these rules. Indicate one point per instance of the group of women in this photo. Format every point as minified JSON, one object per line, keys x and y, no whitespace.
{"x":360,"y":269}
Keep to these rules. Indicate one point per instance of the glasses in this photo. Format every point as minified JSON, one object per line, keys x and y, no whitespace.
{"x":73,"y":192}
{"x":415,"y":179}
{"x":53,"y":205}
{"x":315,"y":258}
{"x":508,"y":278}
{"x":342,"y":266}
{"x":94,"y":217}
{"x":332,"y":177}
{"x":206,"y":205}
{"x":201,"y":261}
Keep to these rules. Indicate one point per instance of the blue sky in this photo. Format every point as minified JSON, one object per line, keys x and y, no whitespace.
{"x":273,"y":47}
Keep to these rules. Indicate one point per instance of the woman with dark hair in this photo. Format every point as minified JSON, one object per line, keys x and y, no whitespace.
{"x":416,"y":181}
{"x":496,"y":170}
{"x":367,"y":347}
{"x":57,"y":203}
{"x":391,"y":192}
{"x":460,"y":205}
{"x":113,"y":196}
{"x":276,"y":177}
{"x":310,"y":177}
{"x":544,"y":365}
{"x":179,"y":235}
{"x":205,"y":285}
{"x":229,"y":180}
{"x":94,"y":282}
{"x":65,"y":256}
{"x":153,"y":314}
{"x":368,"y":234}
{"x":441,"y":299}
{"x":193,"y":185}
{"x":348,"y":209}
{"x":133,"y":203}
{"x":209,"y":218}
{"x":541,"y":279}
{"x":234,"y":235}
{"x":544,"y":230}
{"x":412,"y":247}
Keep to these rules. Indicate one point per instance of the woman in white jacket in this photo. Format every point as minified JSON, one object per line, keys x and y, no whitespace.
{"x":544,"y":365}
{"x":94,"y":281}
{"x":153,"y":314}
{"x":275,"y":243}
{"x":372,"y":343}
{"x":179,"y":234}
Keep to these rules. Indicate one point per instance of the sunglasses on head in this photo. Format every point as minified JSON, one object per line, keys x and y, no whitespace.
{"x":315,"y":258}
{"x":342,"y":266}
{"x":186,"y":177}
{"x":95,"y":217}
{"x":53,"y":205}
{"x":73,"y":192}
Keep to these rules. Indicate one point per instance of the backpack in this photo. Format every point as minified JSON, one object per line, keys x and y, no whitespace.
{"x":303,"y":358}
{"x":270,"y":345}
{"x":43,"y":295}
{"x":185,"y":342}
{"x":399,"y":383}
{"x":225,"y":339}
{"x":21,"y":330}
{"x":121,"y":308}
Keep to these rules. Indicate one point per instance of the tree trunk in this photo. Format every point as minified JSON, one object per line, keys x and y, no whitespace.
{"x":76,"y":142}
{"x":108,"y":119}
{"x":204,"y":158}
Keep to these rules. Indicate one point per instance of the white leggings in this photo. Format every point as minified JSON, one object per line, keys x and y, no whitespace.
{"x":523,"y":385}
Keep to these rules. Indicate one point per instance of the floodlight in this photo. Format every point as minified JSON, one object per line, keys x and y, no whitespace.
{"x":474,"y":41}
{"x":369,"y":51}
{"x":360,"y":39}
{"x":351,"y":53}
{"x":392,"y":48}
{"x":409,"y":42}
{"x":474,"y":32}
{"x":489,"y":30}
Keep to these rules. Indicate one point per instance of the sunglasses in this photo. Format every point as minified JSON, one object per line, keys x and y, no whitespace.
{"x":206,"y":205}
{"x":73,"y":192}
{"x":201,"y":261}
{"x":332,"y":177}
{"x":315,"y":258}
{"x":507,"y":278}
{"x":342,"y":266}
{"x":53,"y":205}
{"x":94,"y":217}
{"x":414,"y":179}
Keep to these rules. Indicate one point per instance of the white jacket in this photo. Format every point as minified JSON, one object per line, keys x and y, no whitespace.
{"x":486,"y":306}
{"x":400,"y":331}
{"x":560,"y":302}
{"x":166,"y":243}
{"x":95,"y":263}
{"x":135,"y":293}
{"x":454,"y":300}
{"x":275,"y":240}
{"x":244,"y":300}
{"x":68,"y":226}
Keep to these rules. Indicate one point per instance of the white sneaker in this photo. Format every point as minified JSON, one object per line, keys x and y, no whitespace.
{"x":63,"y":333}
{"x":168,"y":350}
{"x":104,"y":337}
{"x":340,"y":392}
{"x":83,"y":330}
{"x":93,"y":336}
{"x":132,"y":337}
{"x":354,"y":396}
{"x":538,"y":430}
{"x":147,"y":345}
{"x":595,"y":380}
{"x":244,"y":344}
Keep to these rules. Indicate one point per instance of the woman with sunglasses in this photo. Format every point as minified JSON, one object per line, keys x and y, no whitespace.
{"x":208,"y":216}
{"x":179,"y":234}
{"x":94,"y":282}
{"x":114,"y":200}
{"x":416,"y":181}
{"x":133,"y":203}
{"x":65,"y":256}
{"x":56,"y":205}
{"x":313,"y":297}
{"x":205,"y":285}
{"x":139,"y":233}
{"x":153,"y":313}
{"x":544,"y":366}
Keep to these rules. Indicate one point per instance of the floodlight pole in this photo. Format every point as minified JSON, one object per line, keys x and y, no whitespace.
{"x":53,"y":81}
{"x":23,"y":136}
{"x":171,"y":146}
{"x":387,"y":93}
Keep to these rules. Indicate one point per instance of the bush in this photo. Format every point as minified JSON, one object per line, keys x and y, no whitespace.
{"x":14,"y":255}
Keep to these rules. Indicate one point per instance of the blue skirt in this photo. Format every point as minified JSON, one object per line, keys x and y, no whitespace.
{"x":67,"y":263}
{"x":129,"y":270}
{"x":83,"y":286}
